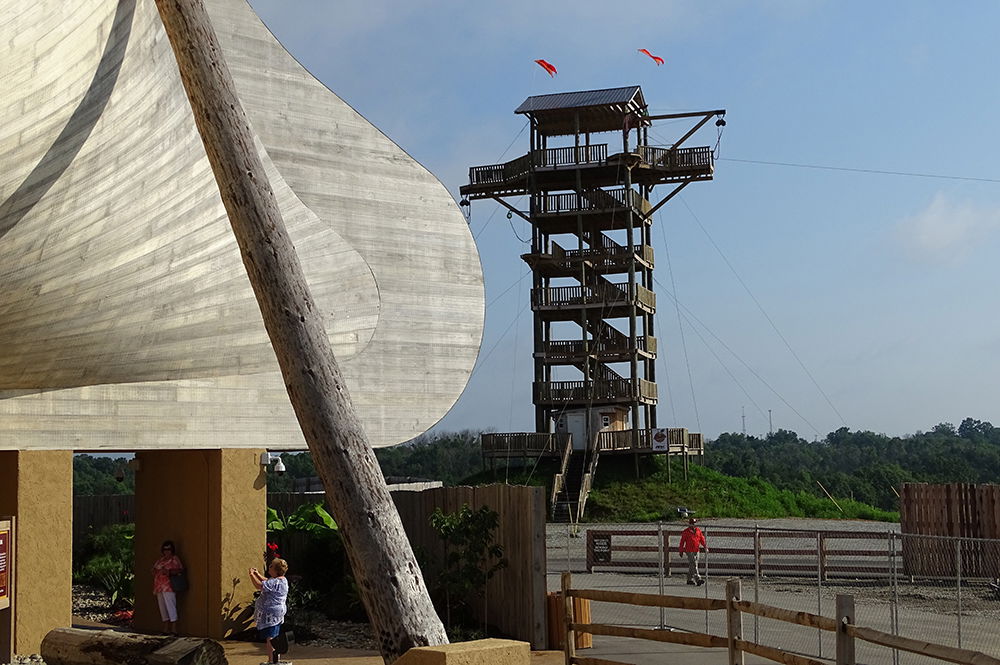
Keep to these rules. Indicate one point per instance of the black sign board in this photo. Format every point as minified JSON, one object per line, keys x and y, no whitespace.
{"x":602,"y":548}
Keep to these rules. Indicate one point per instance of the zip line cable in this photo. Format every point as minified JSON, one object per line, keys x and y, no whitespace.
{"x":763,"y":311}
{"x":680,"y":325}
{"x":824,"y":167}
{"x":482,"y":362}
{"x":691,"y":316}
{"x":712,"y":351}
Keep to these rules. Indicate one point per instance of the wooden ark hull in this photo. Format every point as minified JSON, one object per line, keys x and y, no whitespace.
{"x":127,"y":321}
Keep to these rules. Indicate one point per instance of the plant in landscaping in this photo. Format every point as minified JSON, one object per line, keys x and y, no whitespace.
{"x":109,"y":564}
{"x":471,"y":557}
{"x":312,"y":538}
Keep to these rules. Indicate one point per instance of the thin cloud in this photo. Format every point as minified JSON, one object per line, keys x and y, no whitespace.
{"x":947,"y":230}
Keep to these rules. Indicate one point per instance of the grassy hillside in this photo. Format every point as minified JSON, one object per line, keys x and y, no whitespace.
{"x":619,"y":497}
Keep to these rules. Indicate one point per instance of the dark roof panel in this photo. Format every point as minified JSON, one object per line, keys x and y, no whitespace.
{"x":585,"y":98}
{"x":588,"y":111}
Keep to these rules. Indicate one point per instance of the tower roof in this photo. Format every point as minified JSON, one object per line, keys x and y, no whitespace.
{"x":598,"y":110}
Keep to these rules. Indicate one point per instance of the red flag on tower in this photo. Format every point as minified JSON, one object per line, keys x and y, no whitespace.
{"x":657,"y":59}
{"x":547,"y":66}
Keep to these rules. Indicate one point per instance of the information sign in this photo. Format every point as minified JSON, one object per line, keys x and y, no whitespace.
{"x":5,"y":563}
{"x":602,"y":548}
{"x":660,"y":440}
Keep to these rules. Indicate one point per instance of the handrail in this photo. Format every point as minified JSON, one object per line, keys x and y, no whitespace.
{"x":594,"y":200}
{"x":560,"y":477}
{"x":676,"y":158}
{"x":494,"y":174}
{"x":588,"y":477}
{"x":571,"y":155}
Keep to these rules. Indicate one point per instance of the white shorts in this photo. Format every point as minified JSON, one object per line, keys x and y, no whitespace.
{"x":167,"y":600}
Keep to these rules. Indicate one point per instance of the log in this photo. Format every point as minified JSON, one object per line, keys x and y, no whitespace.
{"x":74,"y":646}
{"x":389,"y":580}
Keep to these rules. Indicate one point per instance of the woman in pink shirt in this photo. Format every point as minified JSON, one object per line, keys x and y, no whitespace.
{"x":168,"y":564}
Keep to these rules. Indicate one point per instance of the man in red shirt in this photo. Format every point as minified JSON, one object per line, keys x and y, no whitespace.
{"x":692,"y":542}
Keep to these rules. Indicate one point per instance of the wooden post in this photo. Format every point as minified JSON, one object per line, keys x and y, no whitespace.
{"x":845,"y":642}
{"x":569,"y":641}
{"x":734,"y":621}
{"x":387,"y":574}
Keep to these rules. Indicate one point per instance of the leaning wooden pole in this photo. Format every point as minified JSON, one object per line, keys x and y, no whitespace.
{"x":388,"y":577}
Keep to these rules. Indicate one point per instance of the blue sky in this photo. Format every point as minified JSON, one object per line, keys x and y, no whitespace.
{"x":832,"y":298}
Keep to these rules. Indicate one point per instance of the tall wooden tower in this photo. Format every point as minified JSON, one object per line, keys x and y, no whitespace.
{"x":589,"y":176}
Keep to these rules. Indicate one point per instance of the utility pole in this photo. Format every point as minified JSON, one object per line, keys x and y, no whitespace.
{"x":770,"y":426}
{"x":743,"y":416}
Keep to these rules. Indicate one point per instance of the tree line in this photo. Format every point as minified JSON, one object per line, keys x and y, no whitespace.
{"x":863,"y":465}
{"x":448,"y":457}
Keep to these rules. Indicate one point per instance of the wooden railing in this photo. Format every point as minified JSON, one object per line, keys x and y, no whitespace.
{"x":594,"y":200}
{"x":609,"y":257}
{"x":523,"y":443}
{"x":573,"y":348}
{"x":607,"y":293}
{"x":679,"y":158}
{"x":560,"y":479}
{"x":844,"y":625}
{"x":495,"y":174}
{"x":676,"y":440}
{"x":571,"y":156}
{"x":852,"y":554}
{"x":596,"y":391}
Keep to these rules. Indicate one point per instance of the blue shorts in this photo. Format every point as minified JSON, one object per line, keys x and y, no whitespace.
{"x":269,"y":631}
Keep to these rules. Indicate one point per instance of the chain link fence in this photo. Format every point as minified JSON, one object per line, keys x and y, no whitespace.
{"x":937,"y":589}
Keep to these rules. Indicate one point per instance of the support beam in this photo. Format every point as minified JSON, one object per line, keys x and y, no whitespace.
{"x":387,"y":573}
{"x":511,"y":208}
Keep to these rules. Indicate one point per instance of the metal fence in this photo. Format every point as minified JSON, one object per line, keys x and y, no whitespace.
{"x":942,"y":590}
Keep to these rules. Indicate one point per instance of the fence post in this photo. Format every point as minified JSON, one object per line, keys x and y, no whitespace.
{"x":569,"y":648}
{"x":894,"y":606}
{"x":958,"y":581}
{"x":590,"y":552}
{"x":845,"y":642}
{"x":822,"y":555}
{"x":734,"y":621}
{"x":756,"y":579}
{"x":663,"y":558}
{"x":820,"y":576}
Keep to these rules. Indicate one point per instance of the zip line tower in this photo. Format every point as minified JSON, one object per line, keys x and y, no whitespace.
{"x":589,"y":177}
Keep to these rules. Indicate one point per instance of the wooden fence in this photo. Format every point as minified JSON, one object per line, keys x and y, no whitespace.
{"x":515,"y":597}
{"x":847,"y":631}
{"x":961,"y":525}
{"x":763,"y":551}
{"x":93,"y":513}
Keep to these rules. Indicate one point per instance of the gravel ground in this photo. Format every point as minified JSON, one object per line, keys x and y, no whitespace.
{"x":91,"y":603}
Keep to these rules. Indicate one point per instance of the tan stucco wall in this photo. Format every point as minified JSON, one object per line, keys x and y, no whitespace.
{"x":37,"y":488}
{"x":211,"y":503}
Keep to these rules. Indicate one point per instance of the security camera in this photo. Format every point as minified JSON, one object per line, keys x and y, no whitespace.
{"x":268,"y":458}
